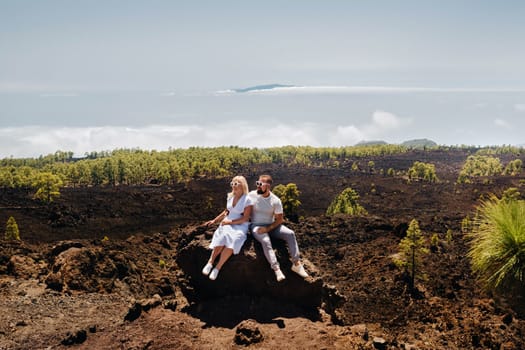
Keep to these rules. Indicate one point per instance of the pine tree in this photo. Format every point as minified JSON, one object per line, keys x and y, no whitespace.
{"x":346,"y":203}
{"x":411,"y":249}
{"x":48,"y":186}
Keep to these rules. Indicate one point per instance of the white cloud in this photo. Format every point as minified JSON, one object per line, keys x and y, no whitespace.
{"x":168,"y":94}
{"x":383,"y":125}
{"x":33,"y":141}
{"x":385,"y":120}
{"x":502,"y":124}
{"x":347,"y":135}
{"x":520,"y":107}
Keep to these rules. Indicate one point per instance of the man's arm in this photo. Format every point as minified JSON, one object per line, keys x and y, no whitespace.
{"x":278,"y":220}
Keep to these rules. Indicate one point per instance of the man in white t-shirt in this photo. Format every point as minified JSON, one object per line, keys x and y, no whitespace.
{"x":267,"y":220}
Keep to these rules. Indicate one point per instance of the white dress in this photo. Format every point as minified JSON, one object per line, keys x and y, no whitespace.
{"x":232,"y":236}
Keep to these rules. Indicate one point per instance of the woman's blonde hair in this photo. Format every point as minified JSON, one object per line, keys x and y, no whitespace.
{"x":242,"y":180}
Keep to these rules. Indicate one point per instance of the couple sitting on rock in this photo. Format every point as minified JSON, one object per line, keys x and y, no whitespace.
{"x":260,"y":211}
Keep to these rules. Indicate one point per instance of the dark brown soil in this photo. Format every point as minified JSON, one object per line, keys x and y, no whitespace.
{"x":123,"y":289}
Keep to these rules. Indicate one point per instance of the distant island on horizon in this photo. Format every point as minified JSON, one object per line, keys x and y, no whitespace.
{"x":262,"y":87}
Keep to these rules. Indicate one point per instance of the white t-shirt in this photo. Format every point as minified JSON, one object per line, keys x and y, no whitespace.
{"x":264,"y":208}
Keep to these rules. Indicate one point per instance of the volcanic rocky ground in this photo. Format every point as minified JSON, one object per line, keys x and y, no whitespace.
{"x":119,"y":268}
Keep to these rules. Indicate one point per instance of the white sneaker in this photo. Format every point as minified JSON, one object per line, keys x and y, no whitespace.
{"x":299,"y":269}
{"x":279,"y":275}
{"x":214,"y":273}
{"x":206,"y":270}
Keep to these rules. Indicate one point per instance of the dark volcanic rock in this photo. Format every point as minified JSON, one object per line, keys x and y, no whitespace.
{"x":89,"y":269}
{"x":77,"y":337}
{"x":249,"y":274}
{"x":247,"y":333}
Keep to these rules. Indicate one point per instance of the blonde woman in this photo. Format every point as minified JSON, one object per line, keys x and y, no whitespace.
{"x":233,"y":229}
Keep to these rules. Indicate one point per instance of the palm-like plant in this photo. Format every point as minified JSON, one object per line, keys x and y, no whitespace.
{"x":497,"y":242}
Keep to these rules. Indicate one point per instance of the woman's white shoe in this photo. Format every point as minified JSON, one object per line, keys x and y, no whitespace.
{"x":213,"y":274}
{"x":206,"y":270}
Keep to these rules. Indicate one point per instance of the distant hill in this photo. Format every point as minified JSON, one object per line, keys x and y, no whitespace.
{"x":261,"y":87}
{"x":419,"y":143}
{"x":371,"y":143}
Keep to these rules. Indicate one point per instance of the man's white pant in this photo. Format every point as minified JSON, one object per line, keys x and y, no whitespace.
{"x":280,"y":232}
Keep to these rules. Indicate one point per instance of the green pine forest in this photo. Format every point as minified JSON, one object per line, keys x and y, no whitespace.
{"x":140,"y":167}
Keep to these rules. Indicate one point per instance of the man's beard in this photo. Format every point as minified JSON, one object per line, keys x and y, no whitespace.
{"x":261,"y":192}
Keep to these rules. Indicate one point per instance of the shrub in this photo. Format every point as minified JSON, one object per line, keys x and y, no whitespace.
{"x":466,"y":224}
{"x":434,"y":242}
{"x":289,"y":196}
{"x":497,"y":244}
{"x":11,"y":229}
{"x":513,"y":167}
{"x":162,"y":264}
{"x":511,"y":193}
{"x":477,"y":166}
{"x":346,"y":203}
{"x":422,"y":171}
{"x":448,"y":236}
{"x":371,"y":166}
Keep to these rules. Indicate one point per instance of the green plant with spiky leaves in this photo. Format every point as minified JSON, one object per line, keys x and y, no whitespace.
{"x":497,"y":244}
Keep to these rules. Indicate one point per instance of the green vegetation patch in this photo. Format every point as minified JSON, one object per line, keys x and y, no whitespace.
{"x":497,"y":244}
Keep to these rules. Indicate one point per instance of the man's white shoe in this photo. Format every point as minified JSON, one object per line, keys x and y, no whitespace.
{"x":214,"y":273}
{"x":299,"y":269}
{"x":206,"y":270}
{"x":279,"y":275}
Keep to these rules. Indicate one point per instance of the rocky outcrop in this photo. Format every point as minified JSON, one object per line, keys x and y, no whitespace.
{"x":18,"y":259}
{"x":249,"y":274}
{"x":89,"y":269}
{"x":26,"y":267}
{"x":247,"y":333}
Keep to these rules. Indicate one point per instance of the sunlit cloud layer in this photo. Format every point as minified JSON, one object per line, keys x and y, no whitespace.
{"x":32,"y":141}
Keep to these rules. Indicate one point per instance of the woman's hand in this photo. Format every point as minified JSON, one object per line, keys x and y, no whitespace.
{"x":210,"y":222}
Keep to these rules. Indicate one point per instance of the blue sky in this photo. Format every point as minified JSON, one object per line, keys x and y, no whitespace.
{"x":94,"y":75}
